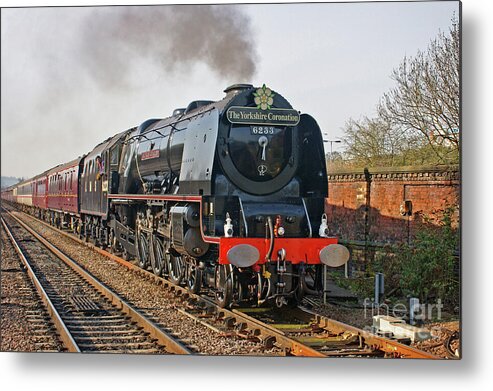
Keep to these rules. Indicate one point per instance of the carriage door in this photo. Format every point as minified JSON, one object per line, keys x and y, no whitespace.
{"x":114,"y":176}
{"x":103,"y":207}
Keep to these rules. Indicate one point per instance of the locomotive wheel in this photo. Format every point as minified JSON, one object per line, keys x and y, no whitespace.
{"x":311,"y":282}
{"x":102,"y":240}
{"x":176,"y":269}
{"x":299,"y":293}
{"x":143,"y":250}
{"x":158,"y":258}
{"x":125,"y":255}
{"x":194,"y":280}
{"x":224,"y":285}
{"x":112,"y":241}
{"x":92,"y":236}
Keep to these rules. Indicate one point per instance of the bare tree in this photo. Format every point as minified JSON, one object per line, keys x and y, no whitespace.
{"x":426,"y":98}
{"x":373,"y":142}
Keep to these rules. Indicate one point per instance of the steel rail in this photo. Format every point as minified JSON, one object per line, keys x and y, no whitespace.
{"x":267,"y":331}
{"x":62,"y":329}
{"x":170,"y":343}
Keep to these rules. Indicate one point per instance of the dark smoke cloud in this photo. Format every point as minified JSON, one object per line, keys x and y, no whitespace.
{"x":174,"y":38}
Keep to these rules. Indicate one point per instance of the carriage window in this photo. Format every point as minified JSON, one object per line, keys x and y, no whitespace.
{"x":127,"y":153}
{"x":114,"y":154}
{"x":89,"y":179}
{"x":84,"y":175}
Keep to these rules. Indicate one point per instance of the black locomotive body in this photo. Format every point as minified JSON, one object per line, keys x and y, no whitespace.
{"x":224,"y":195}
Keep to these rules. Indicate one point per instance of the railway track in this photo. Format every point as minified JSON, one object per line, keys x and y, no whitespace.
{"x":298,"y":331}
{"x":88,"y":316}
{"x":25,"y":323}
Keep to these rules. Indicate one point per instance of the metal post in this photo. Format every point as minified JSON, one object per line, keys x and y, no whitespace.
{"x":379,"y":288}
{"x":376,"y":290}
{"x":331,"y":142}
{"x":325,"y":284}
{"x":413,"y":305}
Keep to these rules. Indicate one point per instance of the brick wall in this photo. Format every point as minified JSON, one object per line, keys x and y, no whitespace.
{"x":365,"y":205}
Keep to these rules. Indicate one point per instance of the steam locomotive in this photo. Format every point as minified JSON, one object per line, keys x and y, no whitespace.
{"x":225,"y":197}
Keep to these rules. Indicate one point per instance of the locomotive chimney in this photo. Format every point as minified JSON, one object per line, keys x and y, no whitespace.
{"x":179,"y":111}
{"x":237,"y":88}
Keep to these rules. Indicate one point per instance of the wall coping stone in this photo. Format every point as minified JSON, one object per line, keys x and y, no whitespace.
{"x":441,"y":172}
{"x":400,"y":169}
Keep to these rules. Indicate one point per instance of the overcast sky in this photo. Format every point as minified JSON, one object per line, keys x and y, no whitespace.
{"x":72,"y":77}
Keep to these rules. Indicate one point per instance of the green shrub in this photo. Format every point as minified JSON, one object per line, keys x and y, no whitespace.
{"x":429,"y":265}
{"x":426,"y":268}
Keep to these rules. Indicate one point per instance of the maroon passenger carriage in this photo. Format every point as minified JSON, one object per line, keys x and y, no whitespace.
{"x":8,"y":194}
{"x":62,"y":201}
{"x":40,"y":195}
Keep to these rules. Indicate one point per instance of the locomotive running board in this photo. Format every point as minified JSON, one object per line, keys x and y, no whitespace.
{"x":153,"y":197}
